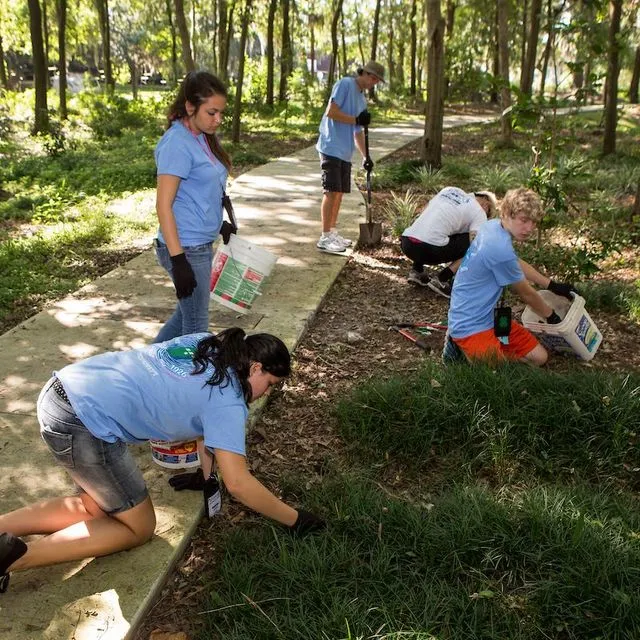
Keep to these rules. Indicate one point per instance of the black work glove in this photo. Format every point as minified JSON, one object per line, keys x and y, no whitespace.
{"x":226,"y":230}
{"x":184,"y":279}
{"x":562,"y":289}
{"x":554,"y":318}
{"x":367,"y":164}
{"x":363,"y":119}
{"x":307,"y":522}
{"x":194,"y":480}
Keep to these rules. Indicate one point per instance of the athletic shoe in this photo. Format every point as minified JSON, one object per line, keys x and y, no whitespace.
{"x":345,"y":242}
{"x":329,"y":244}
{"x":11,"y":548}
{"x":418,"y":277}
{"x":441,"y":288}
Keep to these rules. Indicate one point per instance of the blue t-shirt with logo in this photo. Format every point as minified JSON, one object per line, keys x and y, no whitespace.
{"x":489,"y":265}
{"x":336,"y":138}
{"x":151,"y":394}
{"x":197,"y":207}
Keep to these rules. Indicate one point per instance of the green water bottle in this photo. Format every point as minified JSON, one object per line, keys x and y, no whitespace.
{"x":212,"y":497}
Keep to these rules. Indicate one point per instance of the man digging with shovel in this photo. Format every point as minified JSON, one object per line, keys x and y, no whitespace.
{"x":341,"y":129}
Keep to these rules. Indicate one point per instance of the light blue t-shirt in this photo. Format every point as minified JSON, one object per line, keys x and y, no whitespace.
{"x":336,"y":138}
{"x":150,"y":394}
{"x":489,"y":265}
{"x":198,"y":204}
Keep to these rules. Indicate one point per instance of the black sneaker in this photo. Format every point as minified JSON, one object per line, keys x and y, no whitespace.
{"x":441,"y":288}
{"x":418,"y":277}
{"x":11,"y":548}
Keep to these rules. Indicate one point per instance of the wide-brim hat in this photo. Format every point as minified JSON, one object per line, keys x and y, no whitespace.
{"x":375,"y":69}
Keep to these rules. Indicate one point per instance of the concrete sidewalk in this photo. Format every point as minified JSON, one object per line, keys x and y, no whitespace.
{"x":278,"y":206}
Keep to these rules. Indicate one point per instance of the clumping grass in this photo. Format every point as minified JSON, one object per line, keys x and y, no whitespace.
{"x":498,"y":179}
{"x":508,"y":422}
{"x":549,"y":562}
{"x":430,"y":180}
{"x":392,"y":176}
{"x":400,"y":211}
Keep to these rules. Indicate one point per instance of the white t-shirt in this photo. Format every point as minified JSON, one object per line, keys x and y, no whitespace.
{"x":449,"y":212}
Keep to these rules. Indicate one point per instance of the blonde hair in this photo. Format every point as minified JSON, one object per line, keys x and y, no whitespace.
{"x":490,"y":197}
{"x":524,"y":202}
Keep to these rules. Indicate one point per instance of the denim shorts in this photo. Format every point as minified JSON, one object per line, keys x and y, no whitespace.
{"x":105,"y":471}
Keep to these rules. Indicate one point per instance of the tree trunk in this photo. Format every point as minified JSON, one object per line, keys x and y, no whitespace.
{"x":286,"y":55}
{"x":374,"y":39}
{"x":174,"y":42}
{"x":503,"y":44}
{"x":45,"y":32}
{"x":451,"y":15}
{"x":613,"y":69}
{"x":237,"y":103}
{"x":525,"y":30}
{"x":334,"y":48}
{"x":41,"y":77}
{"x":273,"y":6}
{"x":633,"y":87}
{"x":227,"y":40}
{"x":181,"y":21}
{"x":61,"y":11}
{"x":359,"y":30}
{"x":345,"y":65}
{"x":102,"y":7}
{"x":636,"y":205}
{"x":222,"y":39}
{"x":4,"y":80}
{"x":390,"y":61}
{"x":414,"y":47}
{"x":432,"y":143}
{"x":193,"y":32}
{"x":133,"y":72}
{"x":495,"y":62}
{"x":547,"y":47}
{"x":528,"y":69}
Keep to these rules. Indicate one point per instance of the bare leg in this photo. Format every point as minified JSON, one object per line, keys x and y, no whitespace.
{"x":455,"y":265}
{"x":538,"y":356}
{"x":329,"y":209}
{"x":51,"y":515}
{"x":99,"y":536}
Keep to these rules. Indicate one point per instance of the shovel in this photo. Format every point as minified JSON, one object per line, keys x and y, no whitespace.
{"x":370,"y":232}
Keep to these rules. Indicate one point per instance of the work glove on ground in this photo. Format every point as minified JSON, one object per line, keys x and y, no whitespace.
{"x":554,"y":318}
{"x":184,"y":279}
{"x":367,"y":164}
{"x":193,"y":480}
{"x":226,"y":230}
{"x":305,"y":523}
{"x":363,"y":119}
{"x":562,"y":289}
{"x":11,"y":549}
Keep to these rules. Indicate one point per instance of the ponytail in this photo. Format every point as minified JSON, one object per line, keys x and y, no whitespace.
{"x":232,"y":350}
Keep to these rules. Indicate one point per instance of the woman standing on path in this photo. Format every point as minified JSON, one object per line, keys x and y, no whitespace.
{"x":192,"y":172}
{"x":194,"y":387}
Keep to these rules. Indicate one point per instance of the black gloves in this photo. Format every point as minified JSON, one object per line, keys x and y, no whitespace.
{"x":184,"y":279}
{"x":226,"y":230}
{"x":363,"y":119}
{"x":192,"y":480}
{"x":306,"y":523}
{"x":367,"y":164}
{"x":562,"y":289}
{"x":554,"y":318}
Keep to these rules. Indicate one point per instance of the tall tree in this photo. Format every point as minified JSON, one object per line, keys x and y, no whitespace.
{"x":529,"y":65}
{"x":635,"y":78}
{"x":413,"y":48}
{"x":183,"y":30}
{"x":237,"y":103}
{"x":359,"y":32}
{"x":613,"y":69}
{"x":273,"y":6}
{"x":227,"y":40}
{"x":505,"y":92}
{"x":4,"y":81}
{"x":61,"y":15}
{"x":45,"y":32}
{"x":432,"y":143}
{"x":374,"y":40}
{"x":174,"y":41}
{"x":286,"y":53}
{"x":41,"y":76}
{"x":102,"y":6}
{"x":223,"y":54}
{"x":495,"y":57}
{"x":334,"y":47}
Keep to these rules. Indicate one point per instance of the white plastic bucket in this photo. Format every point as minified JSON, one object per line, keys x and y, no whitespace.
{"x":577,"y":333}
{"x":175,"y":455}
{"x":239,"y":269}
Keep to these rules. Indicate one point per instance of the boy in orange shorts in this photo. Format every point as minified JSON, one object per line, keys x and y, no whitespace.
{"x":479,"y":324}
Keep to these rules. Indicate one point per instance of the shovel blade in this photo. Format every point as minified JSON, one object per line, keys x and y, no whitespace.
{"x":370,"y":233}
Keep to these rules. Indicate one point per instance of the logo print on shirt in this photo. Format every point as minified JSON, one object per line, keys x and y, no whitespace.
{"x":179,"y":360}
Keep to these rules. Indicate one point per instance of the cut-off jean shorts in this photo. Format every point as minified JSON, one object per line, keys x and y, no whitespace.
{"x":105,"y":471}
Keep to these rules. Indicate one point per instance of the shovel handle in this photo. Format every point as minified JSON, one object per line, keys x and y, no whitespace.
{"x":366,"y":151}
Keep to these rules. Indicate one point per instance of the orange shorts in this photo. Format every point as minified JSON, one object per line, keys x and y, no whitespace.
{"x":484,"y":345}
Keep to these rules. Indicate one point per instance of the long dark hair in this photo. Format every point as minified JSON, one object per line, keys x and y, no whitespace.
{"x":196,"y":87}
{"x":234,"y":349}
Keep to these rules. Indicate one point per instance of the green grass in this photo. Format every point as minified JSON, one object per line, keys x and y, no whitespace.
{"x":550,"y":562}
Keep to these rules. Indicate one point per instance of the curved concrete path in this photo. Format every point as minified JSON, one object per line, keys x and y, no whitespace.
{"x":278,"y":208}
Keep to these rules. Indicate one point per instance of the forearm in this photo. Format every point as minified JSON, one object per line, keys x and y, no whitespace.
{"x":169,"y":229}
{"x":532,"y":298}
{"x":532,"y":275}
{"x":335,"y":113}
{"x":256,"y":496}
{"x":359,"y":140}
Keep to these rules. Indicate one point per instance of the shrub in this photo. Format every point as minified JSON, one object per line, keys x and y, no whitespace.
{"x":400,"y":211}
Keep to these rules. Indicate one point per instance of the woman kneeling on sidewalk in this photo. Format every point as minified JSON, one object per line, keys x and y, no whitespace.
{"x":193,"y":387}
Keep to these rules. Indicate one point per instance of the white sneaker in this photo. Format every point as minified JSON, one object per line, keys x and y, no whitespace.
{"x":345,"y":242}
{"x":418,"y":277}
{"x":329,"y":244}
